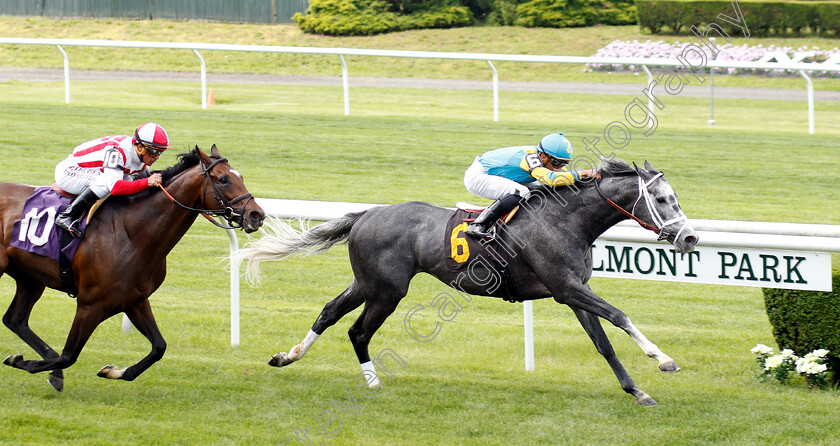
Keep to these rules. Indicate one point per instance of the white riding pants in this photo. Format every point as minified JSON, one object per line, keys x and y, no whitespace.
{"x":74,"y":179}
{"x":492,"y":187}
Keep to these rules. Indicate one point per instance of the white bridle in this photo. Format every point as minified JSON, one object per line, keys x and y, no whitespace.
{"x":654,"y":214}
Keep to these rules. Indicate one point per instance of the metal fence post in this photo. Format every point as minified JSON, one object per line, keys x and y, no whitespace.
{"x":495,"y":91}
{"x":712,"y":88}
{"x":203,"y":80}
{"x":66,"y":75}
{"x":346,"y":84}
{"x":651,"y":116}
{"x":712,"y":97}
{"x":810,"y":101}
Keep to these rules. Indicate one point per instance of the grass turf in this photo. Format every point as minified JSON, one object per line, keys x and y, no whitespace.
{"x":466,"y":386}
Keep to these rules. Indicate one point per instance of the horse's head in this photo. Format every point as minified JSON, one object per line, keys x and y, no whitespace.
{"x":224,"y":192}
{"x":657,"y":204}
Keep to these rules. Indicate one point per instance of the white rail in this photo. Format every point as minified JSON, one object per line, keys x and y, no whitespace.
{"x":644,"y":62}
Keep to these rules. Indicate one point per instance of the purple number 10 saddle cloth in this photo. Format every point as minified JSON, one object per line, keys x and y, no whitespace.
{"x":36,"y":231}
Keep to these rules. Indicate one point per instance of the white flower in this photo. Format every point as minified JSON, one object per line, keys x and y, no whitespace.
{"x":773,"y":362}
{"x":803,"y":365}
{"x":818,"y":368}
{"x":810,"y":366}
{"x":788,"y":353}
{"x":761,"y":349}
{"x":820,"y":353}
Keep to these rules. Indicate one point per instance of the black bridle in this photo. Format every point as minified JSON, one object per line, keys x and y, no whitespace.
{"x":227,"y":211}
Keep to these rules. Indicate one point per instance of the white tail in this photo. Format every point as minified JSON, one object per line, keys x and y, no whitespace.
{"x":280,"y":240}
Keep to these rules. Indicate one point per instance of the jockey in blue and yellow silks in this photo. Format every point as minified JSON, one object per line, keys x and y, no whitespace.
{"x":502,"y":175}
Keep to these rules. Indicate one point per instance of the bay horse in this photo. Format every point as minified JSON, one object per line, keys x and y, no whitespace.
{"x":122,"y":259}
{"x":553,"y":229}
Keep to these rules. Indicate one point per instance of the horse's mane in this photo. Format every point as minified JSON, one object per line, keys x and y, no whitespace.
{"x":614,"y":166}
{"x":185,"y":161}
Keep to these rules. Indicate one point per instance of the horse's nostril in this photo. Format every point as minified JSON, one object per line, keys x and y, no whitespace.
{"x":257,"y":216}
{"x":691,"y":240}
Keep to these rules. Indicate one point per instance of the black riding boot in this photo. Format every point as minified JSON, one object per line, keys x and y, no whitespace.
{"x":70,"y":219}
{"x":481,"y":226}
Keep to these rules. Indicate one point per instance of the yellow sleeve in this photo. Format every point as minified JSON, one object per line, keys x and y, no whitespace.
{"x":532,"y":164}
{"x":552,"y":178}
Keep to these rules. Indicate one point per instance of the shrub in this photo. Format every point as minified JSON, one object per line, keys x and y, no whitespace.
{"x":367,"y":17}
{"x":503,"y":13}
{"x":804,"y":321}
{"x":764,"y":18}
{"x":574,"y":13}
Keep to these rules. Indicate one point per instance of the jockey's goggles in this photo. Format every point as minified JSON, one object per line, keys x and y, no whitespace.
{"x":152,"y":151}
{"x":556,"y":162}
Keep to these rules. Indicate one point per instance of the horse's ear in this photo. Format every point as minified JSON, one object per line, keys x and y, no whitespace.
{"x":636,"y":168}
{"x":649,"y":167}
{"x":201,"y":154}
{"x":214,"y":151}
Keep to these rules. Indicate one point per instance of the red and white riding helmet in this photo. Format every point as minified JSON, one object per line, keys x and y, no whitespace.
{"x":151,"y":135}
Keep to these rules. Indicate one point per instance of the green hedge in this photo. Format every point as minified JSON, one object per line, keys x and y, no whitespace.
{"x":804,"y":321}
{"x":771,"y":18}
{"x":574,"y":13}
{"x":367,"y":17}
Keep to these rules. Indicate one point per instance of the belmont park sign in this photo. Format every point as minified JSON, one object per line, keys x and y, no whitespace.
{"x":715,"y":265}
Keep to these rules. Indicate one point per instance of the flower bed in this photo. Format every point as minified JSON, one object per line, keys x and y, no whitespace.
{"x":811,"y":367}
{"x":664,"y":50}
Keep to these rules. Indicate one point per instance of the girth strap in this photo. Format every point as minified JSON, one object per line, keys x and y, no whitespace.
{"x":65,"y":267}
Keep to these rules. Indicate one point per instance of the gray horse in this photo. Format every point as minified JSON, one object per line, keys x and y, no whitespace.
{"x":548,"y":243}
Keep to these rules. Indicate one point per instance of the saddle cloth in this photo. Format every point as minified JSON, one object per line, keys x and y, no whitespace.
{"x":463,"y":251}
{"x":36,"y":231}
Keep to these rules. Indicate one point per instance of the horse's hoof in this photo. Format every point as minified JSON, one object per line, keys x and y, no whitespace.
{"x":13,"y":360}
{"x":646,"y":400}
{"x":280,"y":360}
{"x":669,"y":367}
{"x":110,"y":372}
{"x":56,"y":380}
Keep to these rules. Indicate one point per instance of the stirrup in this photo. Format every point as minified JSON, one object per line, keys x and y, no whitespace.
{"x":71,"y":227}
{"x":479,"y":231}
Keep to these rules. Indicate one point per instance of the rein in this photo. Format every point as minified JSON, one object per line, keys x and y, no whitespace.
{"x":659,"y":223}
{"x":227,"y":210}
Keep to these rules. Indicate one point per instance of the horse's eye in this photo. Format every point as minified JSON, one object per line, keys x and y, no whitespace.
{"x":661,"y":200}
{"x":223,"y":180}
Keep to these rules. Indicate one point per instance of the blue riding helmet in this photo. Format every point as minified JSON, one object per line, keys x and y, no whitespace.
{"x":557,"y":146}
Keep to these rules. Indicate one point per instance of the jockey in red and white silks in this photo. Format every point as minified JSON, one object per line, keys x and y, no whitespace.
{"x":106,"y":165}
{"x":109,"y":165}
